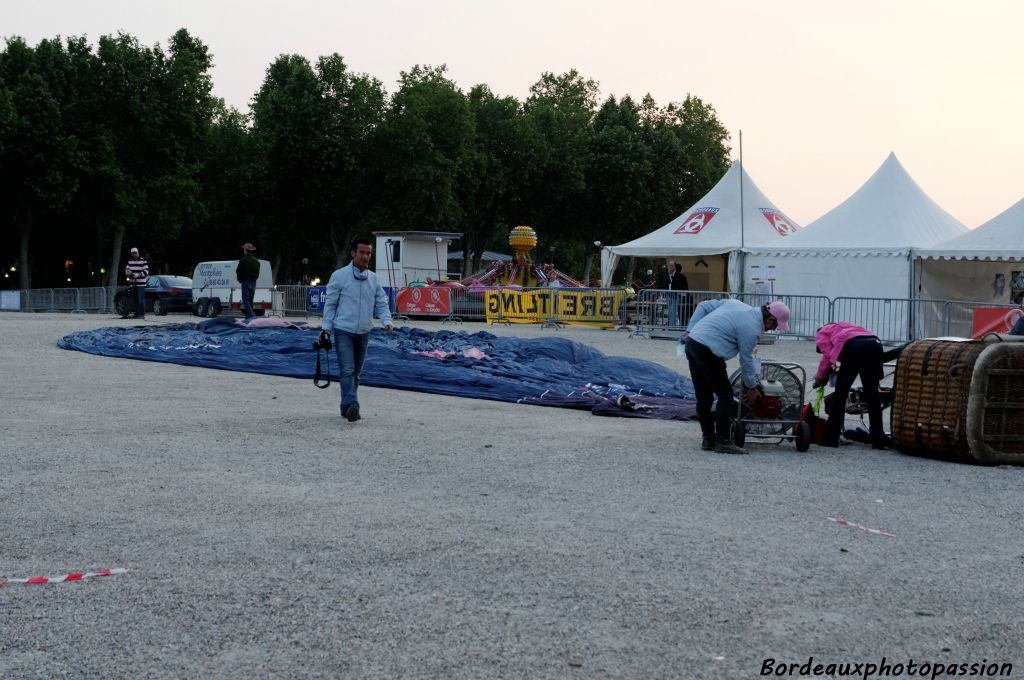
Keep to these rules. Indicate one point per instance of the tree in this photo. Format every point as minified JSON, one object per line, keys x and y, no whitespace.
{"x":420,"y":150}
{"x":226,"y":179}
{"x":489,"y":188}
{"x":38,"y":158}
{"x":619,"y":176}
{"x":559,"y":110}
{"x":697,"y":155}
{"x":354,"y":107}
{"x":312,"y":129}
{"x":159,"y":107}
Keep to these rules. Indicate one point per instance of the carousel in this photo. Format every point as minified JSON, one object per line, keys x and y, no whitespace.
{"x":521,"y":272}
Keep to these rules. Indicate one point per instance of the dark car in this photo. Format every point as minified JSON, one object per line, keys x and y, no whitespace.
{"x":163,"y":294}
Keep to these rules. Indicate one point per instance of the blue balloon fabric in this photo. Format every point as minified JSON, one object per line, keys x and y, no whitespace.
{"x":480,"y":365}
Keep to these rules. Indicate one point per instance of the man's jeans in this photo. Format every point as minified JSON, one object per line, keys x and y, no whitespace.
{"x":351,"y":351}
{"x":248,"y":293}
{"x":140,"y":301}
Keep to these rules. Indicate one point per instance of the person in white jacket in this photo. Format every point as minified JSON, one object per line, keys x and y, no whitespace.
{"x":354,"y":296}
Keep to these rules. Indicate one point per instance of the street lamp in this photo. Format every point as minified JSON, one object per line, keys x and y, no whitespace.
{"x":437,"y":256}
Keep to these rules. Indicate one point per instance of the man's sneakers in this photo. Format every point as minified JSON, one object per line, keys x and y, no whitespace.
{"x":728,"y":447}
{"x":352,"y":413}
{"x":707,"y":444}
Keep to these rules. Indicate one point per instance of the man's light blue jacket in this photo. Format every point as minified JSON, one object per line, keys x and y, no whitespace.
{"x":729,"y":327}
{"x":353,"y":298}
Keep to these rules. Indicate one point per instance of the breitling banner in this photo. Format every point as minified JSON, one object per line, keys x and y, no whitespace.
{"x":597,"y":307}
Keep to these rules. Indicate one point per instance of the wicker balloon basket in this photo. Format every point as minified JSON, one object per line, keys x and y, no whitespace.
{"x":961,"y":400}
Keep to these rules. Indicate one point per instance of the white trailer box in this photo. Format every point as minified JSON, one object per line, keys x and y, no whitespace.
{"x":405,"y":257}
{"x":215,"y":288}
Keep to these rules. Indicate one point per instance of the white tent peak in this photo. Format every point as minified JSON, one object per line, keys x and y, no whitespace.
{"x":712,"y":225}
{"x":1001,"y":238}
{"x":888,"y":213}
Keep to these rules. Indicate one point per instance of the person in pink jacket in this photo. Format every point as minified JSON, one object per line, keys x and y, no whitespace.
{"x":849,"y":351}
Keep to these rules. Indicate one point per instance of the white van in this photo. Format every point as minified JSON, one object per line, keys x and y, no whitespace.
{"x":215,"y":288}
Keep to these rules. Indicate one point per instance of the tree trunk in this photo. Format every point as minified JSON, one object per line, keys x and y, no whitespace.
{"x":629,"y":273}
{"x":335,"y":248}
{"x":588,"y":262}
{"x":114,"y":275}
{"x":467,"y":254}
{"x":24,"y":221}
{"x":98,"y":278}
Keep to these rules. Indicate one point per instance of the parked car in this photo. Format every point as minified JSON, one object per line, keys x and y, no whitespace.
{"x":163,"y":294}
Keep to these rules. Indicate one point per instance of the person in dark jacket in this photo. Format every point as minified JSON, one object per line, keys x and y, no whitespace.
{"x":137,"y":271}
{"x":247,"y":271}
{"x":677,"y":302}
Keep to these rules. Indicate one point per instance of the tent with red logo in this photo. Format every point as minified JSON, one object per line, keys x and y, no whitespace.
{"x":707,"y":236}
{"x":862,"y":248}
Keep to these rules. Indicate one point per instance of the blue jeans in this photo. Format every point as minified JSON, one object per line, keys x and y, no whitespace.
{"x":140,"y":302}
{"x":673,"y":309}
{"x":248,"y":293}
{"x":351,"y":352}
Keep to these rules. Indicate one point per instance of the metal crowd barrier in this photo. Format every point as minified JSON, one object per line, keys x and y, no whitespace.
{"x":667,"y":312}
{"x":890,"y":319}
{"x":808,"y":313}
{"x":92,"y":300}
{"x":290,"y":300}
{"x":959,"y":316}
{"x":664,"y":313}
{"x":38,"y":300}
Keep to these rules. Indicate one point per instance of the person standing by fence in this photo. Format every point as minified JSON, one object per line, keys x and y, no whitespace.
{"x":137,"y":271}
{"x":677,"y":301}
{"x":247,"y":271}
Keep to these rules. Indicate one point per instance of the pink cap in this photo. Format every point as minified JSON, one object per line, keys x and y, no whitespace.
{"x":781,"y":313}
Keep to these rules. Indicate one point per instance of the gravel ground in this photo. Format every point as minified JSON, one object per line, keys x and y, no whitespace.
{"x":451,"y":538}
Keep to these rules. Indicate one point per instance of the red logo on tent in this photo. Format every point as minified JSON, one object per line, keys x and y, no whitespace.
{"x":779,"y":221}
{"x":697,"y":220}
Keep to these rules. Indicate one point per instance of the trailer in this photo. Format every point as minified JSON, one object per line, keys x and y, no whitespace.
{"x":215,"y":289}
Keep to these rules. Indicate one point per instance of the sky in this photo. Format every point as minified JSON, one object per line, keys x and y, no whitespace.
{"x":821,"y":90}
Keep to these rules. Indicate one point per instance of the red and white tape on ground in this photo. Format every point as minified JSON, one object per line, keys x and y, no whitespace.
{"x":848,"y":523}
{"x":37,"y":580}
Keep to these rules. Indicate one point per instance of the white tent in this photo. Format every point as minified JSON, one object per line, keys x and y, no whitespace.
{"x":714,"y":225}
{"x":985,"y":264}
{"x":862,"y":247}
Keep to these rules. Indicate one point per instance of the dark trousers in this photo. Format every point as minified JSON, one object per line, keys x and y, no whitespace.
{"x":710,"y":380}
{"x":248,"y":293}
{"x":140,"y":302}
{"x":860,"y":356}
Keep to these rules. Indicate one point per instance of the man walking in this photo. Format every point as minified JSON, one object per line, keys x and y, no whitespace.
{"x":354,"y":294}
{"x":137,"y":271}
{"x":719,"y":330}
{"x":247,"y":271}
